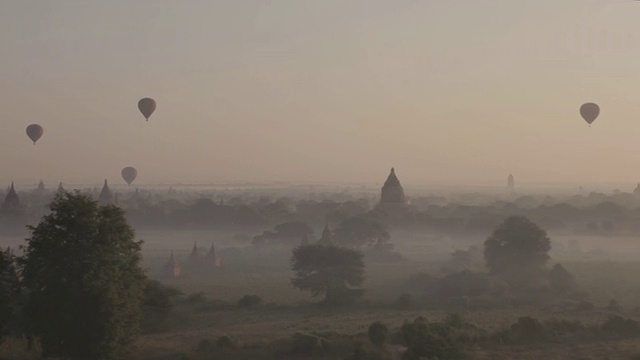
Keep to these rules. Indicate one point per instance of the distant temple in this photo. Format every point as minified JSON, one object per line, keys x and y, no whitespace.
{"x":636,"y":192}
{"x":392,"y":192}
{"x":194,"y":257}
{"x":209,"y":261}
{"x":212,"y":258}
{"x":327,"y":237}
{"x":510,"y":182}
{"x":106,"y":197}
{"x":60,"y":188}
{"x":40,"y":188}
{"x":171,"y":268}
{"x":12,"y":200}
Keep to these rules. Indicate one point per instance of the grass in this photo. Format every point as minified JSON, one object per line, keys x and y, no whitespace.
{"x":267,"y":273}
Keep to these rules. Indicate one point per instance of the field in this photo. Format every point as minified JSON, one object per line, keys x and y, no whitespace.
{"x":606,"y":268}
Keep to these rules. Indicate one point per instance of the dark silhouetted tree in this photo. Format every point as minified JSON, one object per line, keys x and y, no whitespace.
{"x":517,"y":250}
{"x":362,"y":230}
{"x":430,"y":341}
{"x":159,"y":301}
{"x":332,"y":271}
{"x":378,"y":333}
{"x":9,"y":290}
{"x":81,"y":266}
{"x":561,"y":280}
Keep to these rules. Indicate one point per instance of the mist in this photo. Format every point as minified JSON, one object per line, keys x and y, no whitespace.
{"x":330,"y":180}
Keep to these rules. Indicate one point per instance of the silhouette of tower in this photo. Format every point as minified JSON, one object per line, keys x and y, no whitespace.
{"x":194,"y":257}
{"x":327,"y":237}
{"x":12,"y":200}
{"x":212,"y":259}
{"x":171,"y":268}
{"x":510,"y":182}
{"x":106,"y":197}
{"x":392,"y":192}
{"x":60,"y":188}
{"x":40,"y":188}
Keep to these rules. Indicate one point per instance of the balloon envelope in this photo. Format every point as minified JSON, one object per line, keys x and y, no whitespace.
{"x":34,"y":132}
{"x":147,"y":106}
{"x":589,"y":112}
{"x":129,"y":174}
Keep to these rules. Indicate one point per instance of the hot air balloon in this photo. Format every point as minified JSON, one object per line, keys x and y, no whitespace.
{"x":589,"y":112}
{"x":147,"y":106}
{"x":129,"y":174}
{"x":34,"y":132}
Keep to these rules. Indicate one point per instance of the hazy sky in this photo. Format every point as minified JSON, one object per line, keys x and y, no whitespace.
{"x":461,"y":91}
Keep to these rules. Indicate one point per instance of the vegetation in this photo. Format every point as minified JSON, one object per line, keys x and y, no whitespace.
{"x":202,"y":315}
{"x":9,"y":291}
{"x":81,"y":267}
{"x":332,"y":271}
{"x":378,"y":333}
{"x":517,"y":251}
{"x":249,"y":301}
{"x":158,"y":302}
{"x":430,"y":341}
{"x":362,"y":230}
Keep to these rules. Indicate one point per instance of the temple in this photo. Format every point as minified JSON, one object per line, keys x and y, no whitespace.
{"x":40,"y":188}
{"x":392,"y":192}
{"x":171,"y":269}
{"x":195,"y":262}
{"x":12,"y":200}
{"x":106,"y":197}
{"x":510,"y":182}
{"x":327,"y":237}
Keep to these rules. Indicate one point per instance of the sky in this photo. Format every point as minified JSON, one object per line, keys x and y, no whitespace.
{"x":459,"y":92}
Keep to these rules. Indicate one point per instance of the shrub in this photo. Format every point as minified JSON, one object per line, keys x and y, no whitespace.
{"x":527,"y":330}
{"x":621,"y":326}
{"x":205,"y":346}
{"x":560,"y":279}
{"x":249,"y":301}
{"x":308,"y":344}
{"x":562,"y":327}
{"x":159,"y":300}
{"x":455,"y":321}
{"x":225,"y":343}
{"x":430,"y":341}
{"x":378,"y":333}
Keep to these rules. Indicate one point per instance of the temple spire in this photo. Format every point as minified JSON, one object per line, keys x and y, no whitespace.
{"x":12,"y":200}
{"x":392,"y":192}
{"x":106,"y":197}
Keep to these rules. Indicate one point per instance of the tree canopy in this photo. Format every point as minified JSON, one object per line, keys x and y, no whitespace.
{"x":9,"y":290}
{"x":81,"y":266}
{"x":332,"y":271}
{"x":362,"y":230}
{"x":517,"y":250}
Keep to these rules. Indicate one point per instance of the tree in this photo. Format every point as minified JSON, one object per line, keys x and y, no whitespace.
{"x":561,"y":280}
{"x":426,"y":340}
{"x":332,"y":271}
{"x":517,"y":250}
{"x":159,"y":300}
{"x":82,"y":269}
{"x":362,"y":230}
{"x":9,"y":290}
{"x":378,"y":333}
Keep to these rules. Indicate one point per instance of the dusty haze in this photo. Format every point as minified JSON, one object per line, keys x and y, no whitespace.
{"x":448,"y":92}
